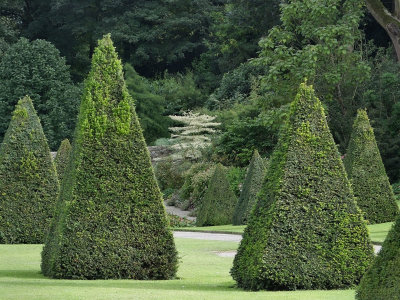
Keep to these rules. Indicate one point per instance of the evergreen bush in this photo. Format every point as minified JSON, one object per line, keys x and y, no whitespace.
{"x":367,"y":174}
{"x":62,"y":158}
{"x":111,"y":222}
{"x":382,"y":280}
{"x":28,"y":179}
{"x":305,"y":231}
{"x":252,"y":185}
{"x":219,"y":201}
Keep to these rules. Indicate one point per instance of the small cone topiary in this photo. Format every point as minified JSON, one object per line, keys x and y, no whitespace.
{"x":28,"y":179}
{"x":219,"y":201}
{"x":62,"y":158}
{"x":382,"y":280}
{"x":306,"y":231}
{"x":367,"y":174}
{"x":111,"y":221}
{"x":251,"y":187}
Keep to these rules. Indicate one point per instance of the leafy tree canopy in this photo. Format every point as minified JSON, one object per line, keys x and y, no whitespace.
{"x":37,"y":69}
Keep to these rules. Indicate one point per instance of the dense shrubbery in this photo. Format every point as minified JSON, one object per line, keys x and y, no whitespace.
{"x":367,"y":174}
{"x":180,"y":93}
{"x":235,"y":86}
{"x":177,"y":221}
{"x":251,"y":186}
{"x":169,"y":174}
{"x":195,"y":185}
{"x":28,"y":179}
{"x":382,"y":280}
{"x":110,"y":222}
{"x":62,"y":158}
{"x":306,"y":231}
{"x":219,"y":201}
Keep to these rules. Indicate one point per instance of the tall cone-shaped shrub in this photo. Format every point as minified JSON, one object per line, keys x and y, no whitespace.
{"x":367,"y":174}
{"x":251,"y":186}
{"x":306,"y":231}
{"x":111,"y":220}
{"x":382,"y":280}
{"x":62,"y":158}
{"x":219,"y":201}
{"x":28,"y":179}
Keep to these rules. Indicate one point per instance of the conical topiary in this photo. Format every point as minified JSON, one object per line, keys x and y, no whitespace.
{"x":367,"y":174}
{"x":111,"y":220}
{"x":219,"y":201}
{"x":28,"y":179}
{"x":251,"y":187}
{"x":306,"y":231}
{"x":382,"y":280}
{"x":62,"y":158}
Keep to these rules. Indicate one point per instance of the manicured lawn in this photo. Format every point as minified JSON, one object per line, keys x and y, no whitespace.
{"x":378,"y":232}
{"x":202,"y":273}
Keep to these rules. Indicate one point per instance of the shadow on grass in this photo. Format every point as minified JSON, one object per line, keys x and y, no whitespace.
{"x":21,"y":274}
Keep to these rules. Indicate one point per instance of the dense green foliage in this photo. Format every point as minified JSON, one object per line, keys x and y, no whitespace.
{"x":218,"y":203}
{"x":196,"y":181}
{"x":251,"y":186}
{"x":151,"y":35}
{"x":180,"y":92}
{"x":36,"y":69}
{"x":382,"y":280}
{"x":28,"y":179}
{"x":320,"y":42}
{"x":306,"y":231}
{"x":111,"y":222}
{"x":149,"y":106}
{"x":234,"y":32}
{"x":245,"y":129}
{"x":381,"y":97}
{"x":367,"y":174}
{"x":62,"y":158}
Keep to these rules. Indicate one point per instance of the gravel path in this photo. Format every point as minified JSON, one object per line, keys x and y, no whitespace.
{"x":178,"y":212}
{"x":208,"y":236}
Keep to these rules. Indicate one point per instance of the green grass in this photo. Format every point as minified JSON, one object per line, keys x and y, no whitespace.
{"x":378,"y":232}
{"x":203,"y":275}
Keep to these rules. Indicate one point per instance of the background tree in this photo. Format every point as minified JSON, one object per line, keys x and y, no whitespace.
{"x":150,"y":35}
{"x":28,"y":179}
{"x":251,"y":186}
{"x":219,"y":201}
{"x":62,"y":158}
{"x":11,"y":12}
{"x":389,"y":19}
{"x":235,"y":29}
{"x":111,"y":222}
{"x":149,"y":106}
{"x":36,"y":69}
{"x":367,"y":174}
{"x":318,"y":42}
{"x":306,"y":230}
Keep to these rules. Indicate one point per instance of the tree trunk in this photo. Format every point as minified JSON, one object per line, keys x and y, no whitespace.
{"x":389,"y":21}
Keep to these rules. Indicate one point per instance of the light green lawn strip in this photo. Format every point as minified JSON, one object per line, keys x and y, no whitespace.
{"x":203,"y":275}
{"x":377,"y":232}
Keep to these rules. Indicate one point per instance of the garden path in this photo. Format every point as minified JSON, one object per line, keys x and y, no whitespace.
{"x":178,"y":212}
